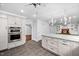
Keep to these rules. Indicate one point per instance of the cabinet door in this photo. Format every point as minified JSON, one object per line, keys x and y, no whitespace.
{"x":11,"y":21}
{"x":52,"y":45}
{"x":69,"y":48}
{"x":64,"y":48}
{"x":44,"y":42}
{"x":52,"y":42}
{"x":18,"y":21}
{"x":75,"y":48}
{"x":3,"y":34}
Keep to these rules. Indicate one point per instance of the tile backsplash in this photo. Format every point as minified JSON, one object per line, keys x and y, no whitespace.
{"x":73,"y":28}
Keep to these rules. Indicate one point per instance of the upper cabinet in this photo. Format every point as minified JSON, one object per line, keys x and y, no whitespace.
{"x":18,"y":21}
{"x":11,"y":21}
{"x":14,"y":21}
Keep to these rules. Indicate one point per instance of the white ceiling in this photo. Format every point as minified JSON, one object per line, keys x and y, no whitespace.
{"x":45,"y":11}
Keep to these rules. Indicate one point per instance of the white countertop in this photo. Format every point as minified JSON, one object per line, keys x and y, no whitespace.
{"x":63,"y":36}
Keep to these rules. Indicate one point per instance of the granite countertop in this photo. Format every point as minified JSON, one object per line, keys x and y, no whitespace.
{"x":63,"y":36}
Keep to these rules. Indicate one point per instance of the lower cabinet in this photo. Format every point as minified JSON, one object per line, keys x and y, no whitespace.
{"x":15,"y":44}
{"x":44,"y":42}
{"x":64,"y":48}
{"x":52,"y":45}
{"x":61,"y":46}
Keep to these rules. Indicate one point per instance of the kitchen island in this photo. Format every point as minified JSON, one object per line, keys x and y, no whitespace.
{"x":61,"y":44}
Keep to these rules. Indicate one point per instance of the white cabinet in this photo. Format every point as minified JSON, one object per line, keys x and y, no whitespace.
{"x":64,"y":47}
{"x":15,"y":44}
{"x":14,"y":21}
{"x":75,"y":48}
{"x":44,"y":42}
{"x":11,"y":21}
{"x":3,"y":33}
{"x":18,"y":21}
{"x":61,"y":46}
{"x":52,"y":45}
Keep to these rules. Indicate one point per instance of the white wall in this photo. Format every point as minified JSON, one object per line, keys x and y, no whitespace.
{"x":34,"y":30}
{"x":40,"y":27}
{"x":43,"y":27}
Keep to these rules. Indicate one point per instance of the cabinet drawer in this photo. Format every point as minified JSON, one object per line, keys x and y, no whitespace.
{"x":69,"y":43}
{"x":53,"y":49}
{"x":52,"y":43}
{"x":52,"y":40}
{"x":64,"y":48}
{"x":44,"y":43}
{"x":44,"y":37}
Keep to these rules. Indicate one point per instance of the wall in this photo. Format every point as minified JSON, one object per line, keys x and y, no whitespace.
{"x":34,"y":30}
{"x":40,"y":27}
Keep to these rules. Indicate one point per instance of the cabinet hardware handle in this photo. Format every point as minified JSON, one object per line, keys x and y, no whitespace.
{"x":64,"y":44}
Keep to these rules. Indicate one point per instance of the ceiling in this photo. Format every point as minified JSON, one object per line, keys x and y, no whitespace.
{"x":44,"y":11}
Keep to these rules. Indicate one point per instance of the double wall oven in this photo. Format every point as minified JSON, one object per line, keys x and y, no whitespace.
{"x":14,"y":34}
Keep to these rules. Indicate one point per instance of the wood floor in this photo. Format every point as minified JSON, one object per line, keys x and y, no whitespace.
{"x":31,"y":48}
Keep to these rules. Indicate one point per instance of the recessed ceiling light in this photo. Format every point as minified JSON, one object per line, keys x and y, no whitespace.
{"x":22,"y":10}
{"x":70,"y":17}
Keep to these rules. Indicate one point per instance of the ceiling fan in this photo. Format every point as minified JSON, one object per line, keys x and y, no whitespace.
{"x":35,"y":4}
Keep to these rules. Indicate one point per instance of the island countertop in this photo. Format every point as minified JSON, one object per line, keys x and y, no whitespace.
{"x":63,"y":36}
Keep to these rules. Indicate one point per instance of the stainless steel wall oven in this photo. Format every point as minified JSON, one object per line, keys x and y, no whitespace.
{"x":14,"y":34}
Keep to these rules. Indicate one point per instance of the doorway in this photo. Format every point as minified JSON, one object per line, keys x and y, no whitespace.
{"x":28,"y":32}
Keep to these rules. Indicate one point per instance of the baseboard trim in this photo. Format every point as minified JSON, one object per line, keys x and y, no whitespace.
{"x":51,"y":52}
{"x":3,"y":50}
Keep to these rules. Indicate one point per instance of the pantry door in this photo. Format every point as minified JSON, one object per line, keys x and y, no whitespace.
{"x":3,"y":33}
